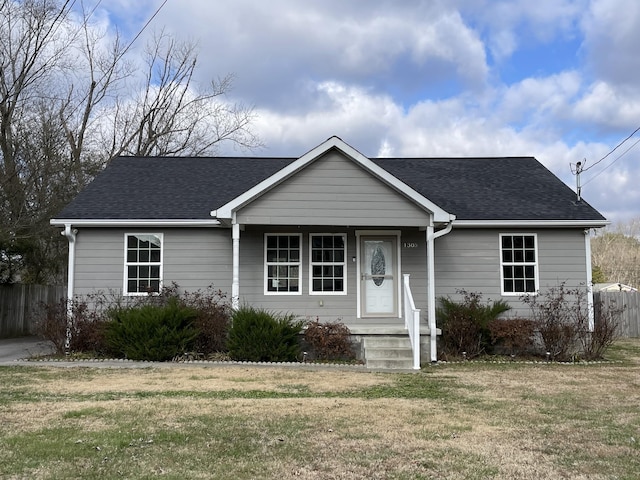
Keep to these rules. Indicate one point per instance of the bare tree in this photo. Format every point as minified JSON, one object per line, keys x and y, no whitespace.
{"x":616,"y":252}
{"x":33,"y":42}
{"x":67,"y":108}
{"x":173,"y":116}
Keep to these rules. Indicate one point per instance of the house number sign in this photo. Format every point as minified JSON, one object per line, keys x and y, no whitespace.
{"x":409,"y":245}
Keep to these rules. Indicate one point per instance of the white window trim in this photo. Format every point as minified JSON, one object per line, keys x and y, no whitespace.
{"x":266,"y":266}
{"x":127,"y":264}
{"x":535,"y":264}
{"x":344,"y":264}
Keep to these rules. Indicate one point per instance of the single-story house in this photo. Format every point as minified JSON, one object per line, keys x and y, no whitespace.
{"x":333,"y":234}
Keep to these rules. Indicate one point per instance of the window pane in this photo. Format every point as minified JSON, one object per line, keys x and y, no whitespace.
{"x":518,"y":271}
{"x":132,"y":256}
{"x":327,"y":285}
{"x":327,"y":256}
{"x":294,"y":255}
{"x":294,"y":241}
{"x":272,"y":242}
{"x":317,"y":271}
{"x":143,"y":272}
{"x":530,"y":256}
{"x":155,"y":255}
{"x":338,"y":256}
{"x":508,"y":285}
{"x":316,"y":256}
{"x":518,"y":256}
{"x":519,"y":285}
{"x":506,"y":242}
{"x":518,"y":242}
{"x":283,"y":241}
{"x":132,"y":272}
{"x":339,"y":285}
{"x":155,"y":286}
{"x":272,"y":256}
{"x":337,"y":271}
{"x":293,"y":285}
{"x":529,"y":242}
{"x":132,"y":286}
{"x":143,"y":256}
{"x":507,"y":256}
{"x":507,"y":272}
{"x":316,"y":242}
{"x":155,"y":272}
{"x":294,"y":271}
{"x":531,"y":286}
{"x":338,"y":242}
{"x":132,"y":241}
{"x":317,"y":285}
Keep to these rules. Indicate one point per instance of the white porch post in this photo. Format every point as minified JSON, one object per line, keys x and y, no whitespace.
{"x":235,"y":282}
{"x":587,"y":248}
{"x":431,"y":294}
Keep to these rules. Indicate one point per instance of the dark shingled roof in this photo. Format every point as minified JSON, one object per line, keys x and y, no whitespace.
{"x":514,"y":188}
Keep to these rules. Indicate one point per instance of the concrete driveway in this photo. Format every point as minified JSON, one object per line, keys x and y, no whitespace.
{"x":12,"y":349}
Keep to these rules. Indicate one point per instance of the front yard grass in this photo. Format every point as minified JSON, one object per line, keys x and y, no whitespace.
{"x":456,"y":421}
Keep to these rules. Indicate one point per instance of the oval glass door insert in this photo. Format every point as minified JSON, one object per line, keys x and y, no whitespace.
{"x":378,"y":266}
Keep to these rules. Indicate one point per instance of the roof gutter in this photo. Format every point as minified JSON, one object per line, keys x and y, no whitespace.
{"x":531,"y":223}
{"x":109,"y":222}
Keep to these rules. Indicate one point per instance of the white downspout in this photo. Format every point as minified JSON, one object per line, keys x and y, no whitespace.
{"x":587,"y":248}
{"x":71,"y":236}
{"x":235,"y":282}
{"x":431,"y":286}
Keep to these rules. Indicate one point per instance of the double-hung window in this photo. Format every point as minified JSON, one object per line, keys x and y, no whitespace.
{"x":282,"y":264}
{"x":327,"y":263}
{"x":519,"y":263}
{"x":143,"y":263}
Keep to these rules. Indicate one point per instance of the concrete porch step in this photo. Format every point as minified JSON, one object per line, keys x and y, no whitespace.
{"x":388,"y":352}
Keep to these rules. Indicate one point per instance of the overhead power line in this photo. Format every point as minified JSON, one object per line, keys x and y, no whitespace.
{"x":612,"y":162}
{"x":614,"y":149}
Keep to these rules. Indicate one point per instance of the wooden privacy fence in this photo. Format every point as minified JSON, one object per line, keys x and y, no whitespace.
{"x":18,"y":303}
{"x":630,"y":319}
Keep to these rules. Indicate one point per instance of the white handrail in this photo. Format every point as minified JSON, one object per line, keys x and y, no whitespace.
{"x":411,"y":321}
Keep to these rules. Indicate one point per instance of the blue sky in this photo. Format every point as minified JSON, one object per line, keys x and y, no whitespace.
{"x":553,"y":79}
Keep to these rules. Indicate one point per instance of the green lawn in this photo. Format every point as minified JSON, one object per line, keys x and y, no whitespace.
{"x":467,"y":421}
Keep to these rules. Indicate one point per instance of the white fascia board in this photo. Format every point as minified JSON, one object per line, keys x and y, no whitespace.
{"x":134,"y":223}
{"x":225,"y":212}
{"x":531,"y":223}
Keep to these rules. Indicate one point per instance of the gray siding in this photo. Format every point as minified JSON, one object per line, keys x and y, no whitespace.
{"x":333,"y":191}
{"x":193,"y":258}
{"x":197,"y":258}
{"x":334,"y":307}
{"x":469,"y":259}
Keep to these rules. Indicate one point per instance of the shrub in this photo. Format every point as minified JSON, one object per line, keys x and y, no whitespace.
{"x":152,"y":332}
{"x":329,"y":341}
{"x":83,"y":330}
{"x":259,"y":336}
{"x":51,"y":321}
{"x":465,"y":324}
{"x":562,"y":319}
{"x":213,"y":319}
{"x":513,"y":336}
{"x":605,"y":331}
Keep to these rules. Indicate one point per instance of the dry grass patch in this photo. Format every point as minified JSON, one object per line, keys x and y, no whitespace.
{"x":468,"y":421}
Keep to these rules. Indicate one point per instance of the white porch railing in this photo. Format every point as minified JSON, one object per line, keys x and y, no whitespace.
{"x":411,"y":321}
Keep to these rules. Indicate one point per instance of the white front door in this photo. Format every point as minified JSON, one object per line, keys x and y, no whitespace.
{"x":378,"y":276}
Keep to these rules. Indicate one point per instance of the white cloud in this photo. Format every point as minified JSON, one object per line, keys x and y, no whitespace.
{"x":612,"y":36}
{"x":412,"y":78}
